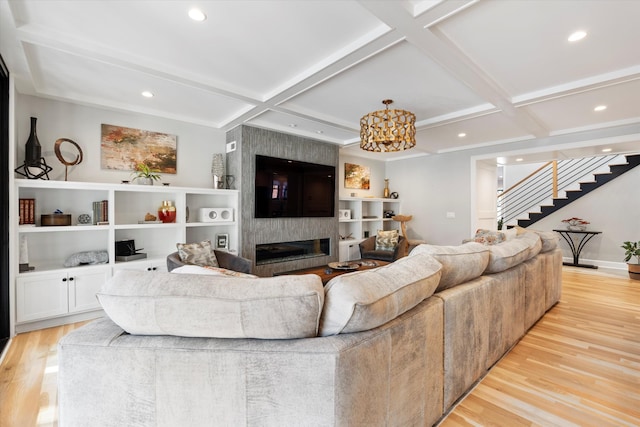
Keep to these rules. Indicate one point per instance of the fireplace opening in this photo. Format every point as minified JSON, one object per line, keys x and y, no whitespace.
{"x":270,"y":253}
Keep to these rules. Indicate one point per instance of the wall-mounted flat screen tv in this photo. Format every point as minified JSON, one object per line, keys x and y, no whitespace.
{"x":290,"y":188}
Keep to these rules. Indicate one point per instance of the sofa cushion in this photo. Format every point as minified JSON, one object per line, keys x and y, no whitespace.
{"x":549,"y":240}
{"x":197,"y":253}
{"x":387,"y":240}
{"x":363,"y":300}
{"x":459,"y":263}
{"x":506,"y":255}
{"x":196,"y":305}
{"x":533,"y":241}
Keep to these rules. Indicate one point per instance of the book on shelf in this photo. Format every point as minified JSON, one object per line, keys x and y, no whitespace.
{"x":101,"y":212}
{"x":26,"y":212}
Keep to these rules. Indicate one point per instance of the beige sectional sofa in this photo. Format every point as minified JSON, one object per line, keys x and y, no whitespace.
{"x":392,"y":346}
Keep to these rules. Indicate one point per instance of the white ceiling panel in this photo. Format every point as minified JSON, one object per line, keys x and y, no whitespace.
{"x":413,"y":81}
{"x":523,"y":45}
{"x":576,"y":112}
{"x":73,"y":77}
{"x":489,"y":129}
{"x":250,"y":47}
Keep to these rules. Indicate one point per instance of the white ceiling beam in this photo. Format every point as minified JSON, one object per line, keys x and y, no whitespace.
{"x":435,"y":45}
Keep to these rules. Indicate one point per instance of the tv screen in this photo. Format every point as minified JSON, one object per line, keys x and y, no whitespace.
{"x":289,"y":188}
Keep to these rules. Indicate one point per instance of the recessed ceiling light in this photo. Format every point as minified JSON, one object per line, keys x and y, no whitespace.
{"x":600,"y":108}
{"x":606,"y":150}
{"x":578,"y":35}
{"x":147,"y":94}
{"x":197,"y":15}
{"x":462,"y":135}
{"x":319,"y":132}
{"x":293,"y":125}
{"x":519,"y":159}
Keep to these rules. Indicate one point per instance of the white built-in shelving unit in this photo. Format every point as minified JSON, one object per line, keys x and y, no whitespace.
{"x":51,"y":294}
{"x":365,"y":217}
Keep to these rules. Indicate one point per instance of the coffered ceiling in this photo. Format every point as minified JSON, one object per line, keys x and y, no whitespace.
{"x":497,"y":71}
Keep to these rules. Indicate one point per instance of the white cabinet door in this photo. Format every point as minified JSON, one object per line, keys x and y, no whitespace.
{"x":148,"y":265}
{"x":42,"y":296}
{"x":83,"y":288}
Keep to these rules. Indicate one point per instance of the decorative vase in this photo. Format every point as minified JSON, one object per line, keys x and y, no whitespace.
{"x":33,"y":149}
{"x":167,"y":212}
{"x":217,"y":170}
{"x":386,"y":188}
{"x":143,"y":180}
{"x":634,"y":271}
{"x":576,"y":227}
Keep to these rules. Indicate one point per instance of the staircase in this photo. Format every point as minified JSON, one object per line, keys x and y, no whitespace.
{"x":545,"y":183}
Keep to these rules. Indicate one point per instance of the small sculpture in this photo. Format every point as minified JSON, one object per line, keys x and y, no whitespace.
{"x":66,"y":164}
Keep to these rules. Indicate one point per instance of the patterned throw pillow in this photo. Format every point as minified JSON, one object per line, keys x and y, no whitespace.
{"x":197,"y":253}
{"x":488,"y":237}
{"x":387,"y":240}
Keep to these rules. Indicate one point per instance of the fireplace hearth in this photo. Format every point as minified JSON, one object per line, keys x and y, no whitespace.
{"x":270,"y":253}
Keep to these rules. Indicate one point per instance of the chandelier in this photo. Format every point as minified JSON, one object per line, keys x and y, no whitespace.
{"x":388,"y":130}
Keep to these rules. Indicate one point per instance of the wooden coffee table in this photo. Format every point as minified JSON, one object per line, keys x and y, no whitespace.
{"x":327,"y":273}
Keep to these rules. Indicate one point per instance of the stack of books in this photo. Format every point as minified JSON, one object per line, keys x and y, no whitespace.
{"x":27,"y":211}
{"x":101,"y":212}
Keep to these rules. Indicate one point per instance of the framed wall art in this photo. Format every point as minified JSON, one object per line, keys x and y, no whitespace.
{"x":123,"y":148}
{"x":356,"y":176}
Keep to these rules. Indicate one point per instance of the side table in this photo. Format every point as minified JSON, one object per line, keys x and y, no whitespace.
{"x":577,"y":249}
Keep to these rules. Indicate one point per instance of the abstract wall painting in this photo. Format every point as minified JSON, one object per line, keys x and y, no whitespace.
{"x":356,"y":176}
{"x":123,"y":148}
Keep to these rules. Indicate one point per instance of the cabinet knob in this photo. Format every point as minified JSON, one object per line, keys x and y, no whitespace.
{"x":71,"y":279}
{"x":148,"y":268}
{"x":154,"y":268}
{"x":64,"y":279}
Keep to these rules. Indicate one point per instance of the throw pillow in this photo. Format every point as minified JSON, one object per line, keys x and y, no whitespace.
{"x":488,"y":237}
{"x":387,"y":240}
{"x":197,"y":253}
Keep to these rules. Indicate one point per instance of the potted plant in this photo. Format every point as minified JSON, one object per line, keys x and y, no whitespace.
{"x":632,"y":249}
{"x":145,"y":175}
{"x":576,"y":224}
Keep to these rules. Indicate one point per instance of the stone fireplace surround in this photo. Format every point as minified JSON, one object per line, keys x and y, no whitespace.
{"x":240,"y":163}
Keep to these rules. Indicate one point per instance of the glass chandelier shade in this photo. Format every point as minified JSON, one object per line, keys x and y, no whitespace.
{"x":388,"y":130}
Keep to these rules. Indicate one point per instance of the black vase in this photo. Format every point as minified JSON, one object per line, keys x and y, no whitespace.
{"x":33,"y":149}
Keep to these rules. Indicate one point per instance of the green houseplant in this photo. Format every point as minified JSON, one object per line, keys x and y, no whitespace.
{"x":145,"y":175}
{"x":632,"y":249}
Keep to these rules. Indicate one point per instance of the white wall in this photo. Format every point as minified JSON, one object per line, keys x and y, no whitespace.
{"x":195,"y":144}
{"x":430,"y":187}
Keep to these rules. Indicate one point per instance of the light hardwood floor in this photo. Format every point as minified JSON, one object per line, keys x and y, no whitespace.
{"x":578,"y":366}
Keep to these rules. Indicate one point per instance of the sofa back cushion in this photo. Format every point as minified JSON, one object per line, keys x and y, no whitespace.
{"x":363,"y":300}
{"x":459,"y":263}
{"x":533,"y":241}
{"x":507,"y":254}
{"x":195,"y":305}
{"x":549,"y":240}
